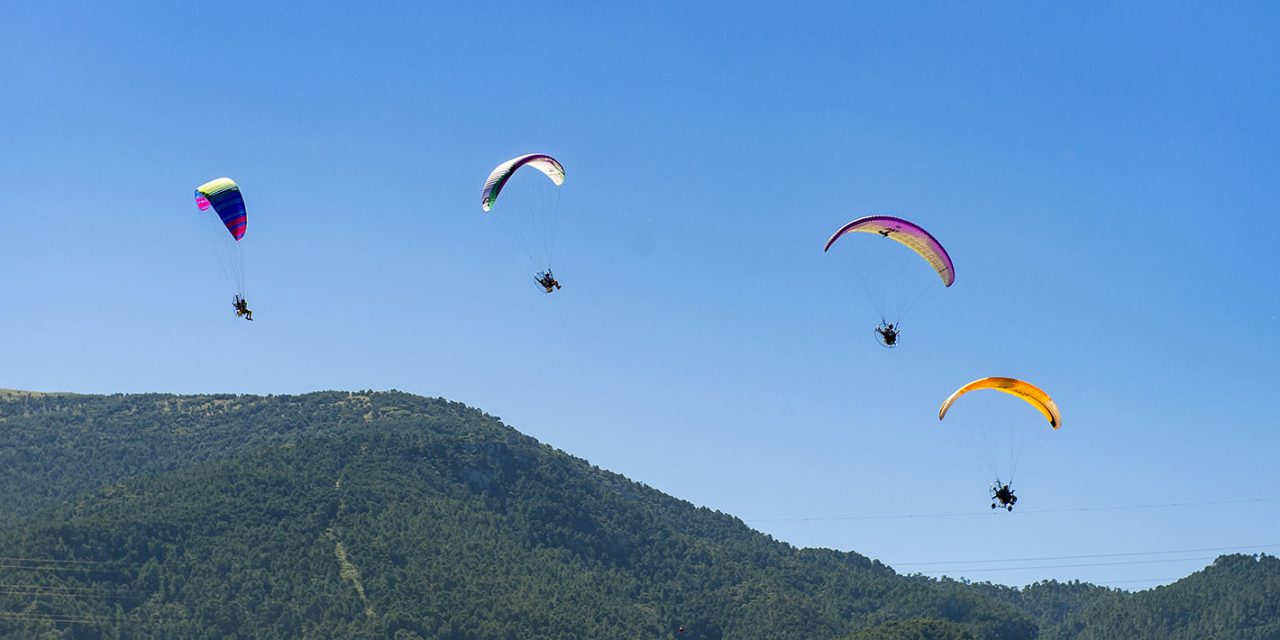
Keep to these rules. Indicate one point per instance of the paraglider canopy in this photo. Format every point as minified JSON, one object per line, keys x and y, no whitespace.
{"x":909,"y":235}
{"x":1028,"y":392}
{"x":530,"y":212}
{"x":227,"y":230}
{"x":503,"y":172}
{"x":224,"y":196}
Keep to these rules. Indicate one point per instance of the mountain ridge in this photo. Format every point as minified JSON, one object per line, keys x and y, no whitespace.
{"x":384,"y":514}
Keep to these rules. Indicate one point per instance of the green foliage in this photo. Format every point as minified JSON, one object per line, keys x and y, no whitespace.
{"x":1062,"y":609}
{"x":914,"y":629}
{"x":1236,"y":597}
{"x":340,"y":515}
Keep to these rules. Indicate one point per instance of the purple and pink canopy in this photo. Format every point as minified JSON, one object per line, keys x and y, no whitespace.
{"x":908,"y":234}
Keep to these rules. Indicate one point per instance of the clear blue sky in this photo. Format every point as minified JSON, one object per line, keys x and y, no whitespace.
{"x":1106,"y":177}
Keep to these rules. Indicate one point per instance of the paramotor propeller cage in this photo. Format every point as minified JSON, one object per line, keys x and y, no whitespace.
{"x":887,"y":337}
{"x":998,"y":501}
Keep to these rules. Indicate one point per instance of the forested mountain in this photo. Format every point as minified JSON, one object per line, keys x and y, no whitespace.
{"x":333,"y":515}
{"x":1238,"y":596}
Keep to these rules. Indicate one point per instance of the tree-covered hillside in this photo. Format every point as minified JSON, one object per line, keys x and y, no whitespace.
{"x":1237,"y":597}
{"x":334,"y":515}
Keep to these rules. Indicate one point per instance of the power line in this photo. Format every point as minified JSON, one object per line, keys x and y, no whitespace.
{"x":62,"y":594}
{"x":56,"y":561}
{"x":1167,"y":505}
{"x":1159,"y":580}
{"x":64,"y":568}
{"x":1065,"y":566}
{"x":1092,"y":555}
{"x":54,"y":618}
{"x":971,"y":514}
{"x":47,"y":586}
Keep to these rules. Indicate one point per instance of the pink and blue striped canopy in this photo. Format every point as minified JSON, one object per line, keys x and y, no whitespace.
{"x":224,"y":196}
